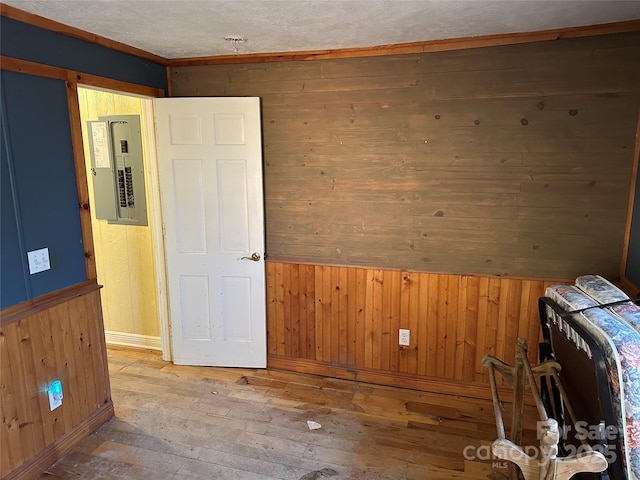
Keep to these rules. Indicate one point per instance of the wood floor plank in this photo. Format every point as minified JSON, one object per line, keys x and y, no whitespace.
{"x":78,"y":465}
{"x":179,"y":422}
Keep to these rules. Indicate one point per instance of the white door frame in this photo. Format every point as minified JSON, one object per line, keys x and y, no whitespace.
{"x":151,"y":167}
{"x":157,"y":227}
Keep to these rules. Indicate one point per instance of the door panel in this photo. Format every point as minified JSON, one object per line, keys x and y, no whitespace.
{"x":235,"y":310}
{"x":233,"y":204}
{"x":195,"y":306}
{"x":210,"y":166}
{"x":188,"y":199}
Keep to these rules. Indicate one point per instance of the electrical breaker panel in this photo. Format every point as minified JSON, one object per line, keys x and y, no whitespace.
{"x":118,"y":169}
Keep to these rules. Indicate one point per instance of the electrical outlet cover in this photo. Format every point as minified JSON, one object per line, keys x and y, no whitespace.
{"x":404,"y":337}
{"x":55,"y":394}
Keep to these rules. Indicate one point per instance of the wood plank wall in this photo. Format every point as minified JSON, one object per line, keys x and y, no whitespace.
{"x":511,"y":160}
{"x":60,"y":339}
{"x":344,"y":321}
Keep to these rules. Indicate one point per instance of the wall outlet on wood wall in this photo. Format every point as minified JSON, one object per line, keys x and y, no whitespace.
{"x":404,"y":337}
{"x":55,"y":394}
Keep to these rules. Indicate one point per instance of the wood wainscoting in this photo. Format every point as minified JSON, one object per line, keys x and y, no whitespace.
{"x":344,"y":321}
{"x":57,"y":336}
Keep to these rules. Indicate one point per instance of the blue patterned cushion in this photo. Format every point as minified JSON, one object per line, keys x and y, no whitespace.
{"x":620,"y":345}
{"x":604,"y":292}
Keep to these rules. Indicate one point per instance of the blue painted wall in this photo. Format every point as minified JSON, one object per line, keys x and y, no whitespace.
{"x":37,"y":176}
{"x":42,"y":200}
{"x":13,"y":282}
{"x":27,"y":42}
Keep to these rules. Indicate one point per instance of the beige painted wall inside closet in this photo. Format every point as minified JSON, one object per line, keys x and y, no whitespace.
{"x":124,"y":254}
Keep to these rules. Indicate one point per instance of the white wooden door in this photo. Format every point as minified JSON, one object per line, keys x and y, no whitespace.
{"x":210,"y":168}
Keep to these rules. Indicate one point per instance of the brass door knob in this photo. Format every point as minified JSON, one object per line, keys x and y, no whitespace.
{"x":255,"y":256}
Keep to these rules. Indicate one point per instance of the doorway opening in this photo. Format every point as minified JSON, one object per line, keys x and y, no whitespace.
{"x":129,"y":258}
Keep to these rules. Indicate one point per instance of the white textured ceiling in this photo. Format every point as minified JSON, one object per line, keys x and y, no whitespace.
{"x":192,"y":28}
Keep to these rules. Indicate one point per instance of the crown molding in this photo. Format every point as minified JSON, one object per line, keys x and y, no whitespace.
{"x":416,"y":47}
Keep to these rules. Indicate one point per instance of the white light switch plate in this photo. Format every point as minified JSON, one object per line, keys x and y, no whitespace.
{"x":38,"y":260}
{"x":404,"y":337}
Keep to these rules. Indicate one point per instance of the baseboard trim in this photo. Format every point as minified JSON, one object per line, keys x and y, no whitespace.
{"x":393,"y":379}
{"x":133,"y":340}
{"x":63,"y":445}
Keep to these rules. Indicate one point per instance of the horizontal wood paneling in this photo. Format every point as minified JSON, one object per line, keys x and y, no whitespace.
{"x":344,"y":321}
{"x":61,"y":339}
{"x":511,"y":160}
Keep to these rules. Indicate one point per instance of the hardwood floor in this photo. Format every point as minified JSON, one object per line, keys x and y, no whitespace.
{"x":177,"y":422}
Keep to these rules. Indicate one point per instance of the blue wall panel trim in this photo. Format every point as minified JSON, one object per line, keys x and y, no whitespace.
{"x":41,"y":155}
{"x":28,"y":42}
